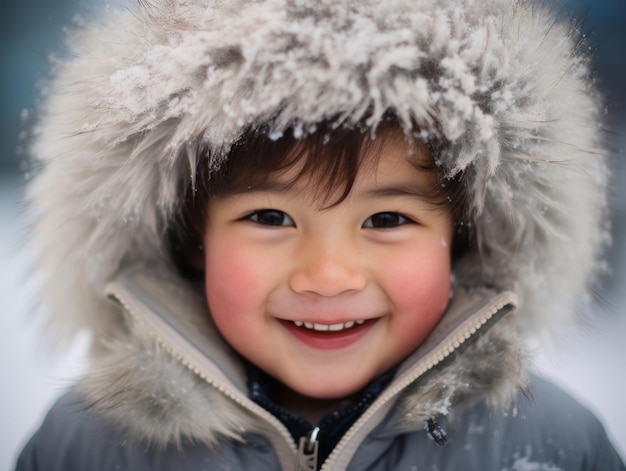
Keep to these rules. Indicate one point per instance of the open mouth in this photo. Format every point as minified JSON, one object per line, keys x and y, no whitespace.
{"x":329,"y":327}
{"x":329,"y":336}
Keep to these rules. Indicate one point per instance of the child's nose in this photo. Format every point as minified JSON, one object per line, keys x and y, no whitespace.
{"x":328,"y":270}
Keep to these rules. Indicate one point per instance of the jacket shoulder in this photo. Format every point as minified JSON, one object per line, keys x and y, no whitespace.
{"x":546,"y":430}
{"x":547,"y":427}
{"x":73,"y":437}
{"x":558,"y":427}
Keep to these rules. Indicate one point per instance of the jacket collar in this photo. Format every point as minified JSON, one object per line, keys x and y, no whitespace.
{"x":172,"y":360}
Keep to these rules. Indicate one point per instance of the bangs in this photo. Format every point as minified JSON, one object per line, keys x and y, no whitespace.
{"x":328,"y":159}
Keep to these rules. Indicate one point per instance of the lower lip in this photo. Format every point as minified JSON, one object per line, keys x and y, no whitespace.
{"x":329,"y":340}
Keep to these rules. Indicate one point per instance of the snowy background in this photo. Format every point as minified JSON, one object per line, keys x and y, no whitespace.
{"x":588,"y":361}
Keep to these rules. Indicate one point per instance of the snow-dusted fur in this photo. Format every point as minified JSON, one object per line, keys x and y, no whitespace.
{"x":471,"y":375}
{"x":148,"y":91}
{"x":142,"y":389}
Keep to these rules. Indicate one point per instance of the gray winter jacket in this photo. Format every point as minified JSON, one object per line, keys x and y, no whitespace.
{"x":151,"y":93}
{"x":549,"y":433}
{"x":545,"y":430}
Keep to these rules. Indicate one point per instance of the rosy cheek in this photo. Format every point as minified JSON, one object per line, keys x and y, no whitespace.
{"x":232,"y":284}
{"x":421,"y":285}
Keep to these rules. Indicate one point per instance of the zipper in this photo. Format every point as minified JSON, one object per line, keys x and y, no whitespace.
{"x":308,"y":450}
{"x":358,"y":430}
{"x":171,"y":341}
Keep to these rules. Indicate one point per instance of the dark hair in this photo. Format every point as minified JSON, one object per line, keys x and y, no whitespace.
{"x":333,"y":156}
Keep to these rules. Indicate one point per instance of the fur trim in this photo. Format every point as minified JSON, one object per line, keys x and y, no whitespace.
{"x":500,"y":83}
{"x":471,"y":374}
{"x":144,"y":391}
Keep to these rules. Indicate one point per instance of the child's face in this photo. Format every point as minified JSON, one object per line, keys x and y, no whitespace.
{"x":324,"y":300}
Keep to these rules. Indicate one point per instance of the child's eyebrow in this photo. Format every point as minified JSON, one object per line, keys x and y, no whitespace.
{"x":271,"y":186}
{"x":406,"y":190}
{"x":410,"y":190}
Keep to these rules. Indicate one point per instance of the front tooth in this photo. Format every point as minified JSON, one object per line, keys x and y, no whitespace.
{"x":308,"y":325}
{"x":322,"y":327}
{"x":348,"y":324}
{"x":336,"y":327}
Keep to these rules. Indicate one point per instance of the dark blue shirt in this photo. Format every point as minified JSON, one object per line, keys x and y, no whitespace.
{"x":332,"y":427}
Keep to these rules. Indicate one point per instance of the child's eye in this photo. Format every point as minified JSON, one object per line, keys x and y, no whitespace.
{"x":271,"y":217}
{"x":385,"y":220}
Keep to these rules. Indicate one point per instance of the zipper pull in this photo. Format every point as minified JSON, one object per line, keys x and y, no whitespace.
{"x":307,"y":451}
{"x":436,"y":432}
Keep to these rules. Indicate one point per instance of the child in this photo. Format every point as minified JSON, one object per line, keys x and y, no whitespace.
{"x":318,"y":235}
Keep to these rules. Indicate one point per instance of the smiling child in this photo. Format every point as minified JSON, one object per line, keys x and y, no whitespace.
{"x":280,"y":257}
{"x":318,"y":235}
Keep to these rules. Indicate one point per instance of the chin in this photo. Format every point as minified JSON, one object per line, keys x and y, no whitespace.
{"x":329,"y":392}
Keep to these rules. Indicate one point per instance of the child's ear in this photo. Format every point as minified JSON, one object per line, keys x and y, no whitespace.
{"x":196,"y":259}
{"x":188,"y":257}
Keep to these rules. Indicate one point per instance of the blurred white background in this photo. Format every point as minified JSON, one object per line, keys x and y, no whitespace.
{"x":588,"y":361}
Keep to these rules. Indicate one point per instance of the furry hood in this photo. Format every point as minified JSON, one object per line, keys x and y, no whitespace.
{"x":148,"y":91}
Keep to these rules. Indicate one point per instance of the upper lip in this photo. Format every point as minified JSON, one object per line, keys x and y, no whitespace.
{"x":328,"y":314}
{"x":328,"y":327}
{"x":324,"y":321}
